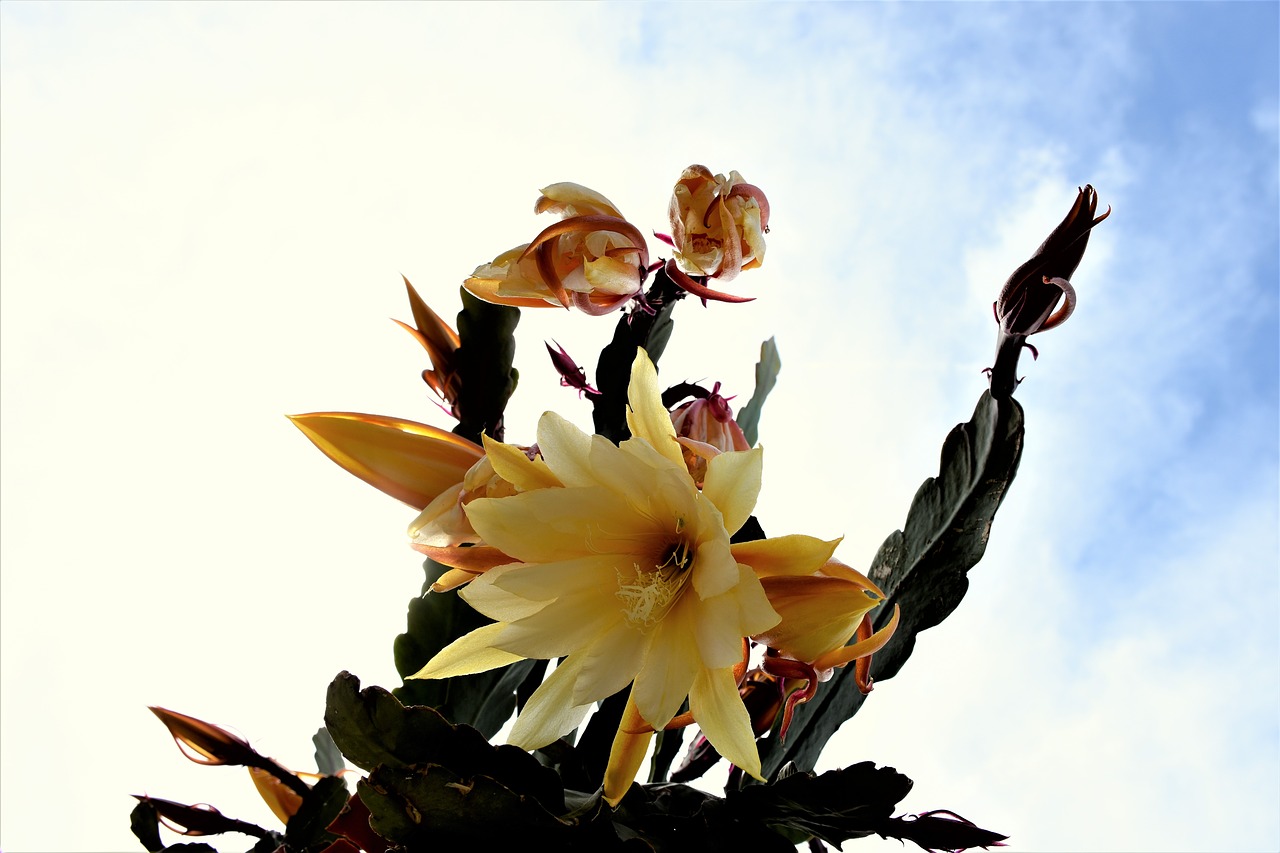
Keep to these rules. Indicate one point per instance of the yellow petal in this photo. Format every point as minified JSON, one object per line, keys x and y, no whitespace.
{"x":860,"y":649}
{"x":549,"y":525}
{"x":283,"y":800}
{"x":669,"y":666}
{"x":469,"y":654}
{"x":493,"y":601}
{"x":733,"y":484}
{"x":511,"y":464}
{"x":715,"y":571}
{"x":607,"y":275}
{"x":794,"y":554}
{"x":723,"y":621}
{"x":566,"y":450}
{"x":609,"y":663}
{"x":647,"y":417}
{"x":570,"y":199}
{"x":550,"y":712}
{"x":410,"y":461}
{"x":566,"y":625}
{"x":626,"y":754}
{"x":718,"y":708}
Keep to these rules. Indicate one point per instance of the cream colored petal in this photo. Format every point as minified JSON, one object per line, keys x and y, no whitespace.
{"x":610,"y":663}
{"x":467,"y":655}
{"x":647,"y":417}
{"x":606,"y":275}
{"x":546,"y":581}
{"x":794,"y":554}
{"x":570,"y":199}
{"x":443,"y":523}
{"x":549,"y":525}
{"x":550,"y":713}
{"x":670,"y":665}
{"x":723,"y":718}
{"x":658,"y":492}
{"x":487,"y":597}
{"x":733,"y":484}
{"x":723,"y":621}
{"x":565,"y":449}
{"x":511,"y":464}
{"x":565,"y":626}
{"x":715,"y":571}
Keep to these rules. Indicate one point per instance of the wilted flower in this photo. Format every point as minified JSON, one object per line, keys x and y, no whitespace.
{"x":627,"y":572}
{"x":205,"y":743}
{"x":717,"y":223}
{"x":441,"y":343}
{"x":705,"y":427}
{"x":1029,"y":298}
{"x":592,"y":260}
{"x":410,"y":461}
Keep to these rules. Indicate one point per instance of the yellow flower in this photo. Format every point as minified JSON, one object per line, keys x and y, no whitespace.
{"x":717,"y":223}
{"x":592,"y":260}
{"x":410,"y":461}
{"x":626,"y":571}
{"x":821,"y":613}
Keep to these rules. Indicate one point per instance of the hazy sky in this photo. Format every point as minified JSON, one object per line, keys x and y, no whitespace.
{"x":206,"y":211}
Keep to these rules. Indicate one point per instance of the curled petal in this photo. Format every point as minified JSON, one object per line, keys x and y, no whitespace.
{"x":700,"y":290}
{"x":862,"y":648}
{"x":1068,"y":306}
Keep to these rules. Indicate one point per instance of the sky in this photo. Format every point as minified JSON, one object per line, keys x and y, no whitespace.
{"x":205,"y":212}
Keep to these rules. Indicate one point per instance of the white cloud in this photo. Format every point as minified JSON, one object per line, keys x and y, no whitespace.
{"x":206,"y":210}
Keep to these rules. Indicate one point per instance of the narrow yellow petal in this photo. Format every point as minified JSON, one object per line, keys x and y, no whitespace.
{"x":626,"y":755}
{"x":647,"y":417}
{"x":511,"y":464}
{"x":718,"y":708}
{"x":550,"y":712}
{"x":565,"y":448}
{"x":733,"y":484}
{"x":860,"y":649}
{"x":669,"y":666}
{"x":410,"y":461}
{"x":794,"y":554}
{"x":469,"y":654}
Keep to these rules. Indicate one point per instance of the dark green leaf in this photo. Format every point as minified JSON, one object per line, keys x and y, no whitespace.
{"x":675,"y":818}
{"x":922,"y":567}
{"x":485,"y":700}
{"x":838,"y":805}
{"x":613,"y":373}
{"x":487,"y":348}
{"x":766,"y":377}
{"x":307,"y":828}
{"x":144,"y":821}
{"x":328,"y":757}
{"x":372,"y":728}
{"x":434,"y":807}
{"x":667,"y":748}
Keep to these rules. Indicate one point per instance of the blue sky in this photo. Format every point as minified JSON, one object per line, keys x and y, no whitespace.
{"x":206,"y":210}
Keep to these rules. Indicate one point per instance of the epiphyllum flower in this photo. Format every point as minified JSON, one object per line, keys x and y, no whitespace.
{"x":592,"y":260}
{"x":627,"y":572}
{"x":717,"y":223}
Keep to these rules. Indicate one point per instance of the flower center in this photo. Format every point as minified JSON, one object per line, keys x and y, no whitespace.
{"x":648,"y":593}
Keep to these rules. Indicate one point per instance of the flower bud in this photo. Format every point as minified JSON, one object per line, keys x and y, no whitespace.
{"x":705,"y":427}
